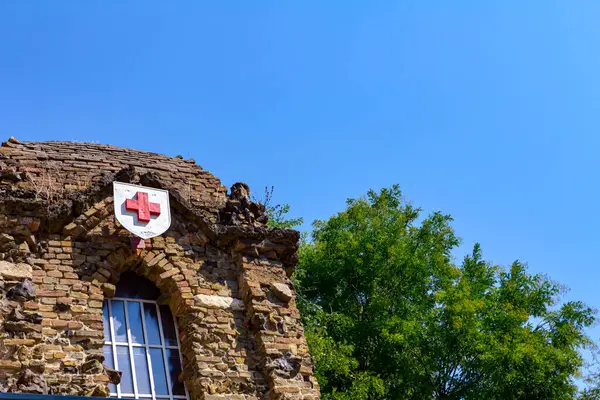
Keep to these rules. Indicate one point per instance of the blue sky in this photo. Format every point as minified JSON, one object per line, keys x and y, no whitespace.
{"x":489,"y":111}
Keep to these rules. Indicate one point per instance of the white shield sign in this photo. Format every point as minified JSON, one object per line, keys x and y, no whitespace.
{"x":143,"y":211}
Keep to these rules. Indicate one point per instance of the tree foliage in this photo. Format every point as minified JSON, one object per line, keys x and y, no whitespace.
{"x":278,"y":213}
{"x":390,"y":315}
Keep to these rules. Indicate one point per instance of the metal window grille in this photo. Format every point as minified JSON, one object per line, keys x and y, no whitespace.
{"x":142,"y":341}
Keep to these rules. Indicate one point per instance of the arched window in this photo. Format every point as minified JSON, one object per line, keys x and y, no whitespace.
{"x":141,"y":340}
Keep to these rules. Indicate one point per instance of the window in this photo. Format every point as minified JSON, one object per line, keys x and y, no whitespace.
{"x":141,"y":340}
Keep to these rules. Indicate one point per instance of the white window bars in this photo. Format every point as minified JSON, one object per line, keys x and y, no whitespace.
{"x":141,"y":340}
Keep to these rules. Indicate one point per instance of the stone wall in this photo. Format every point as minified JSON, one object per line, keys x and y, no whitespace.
{"x":224,"y":275}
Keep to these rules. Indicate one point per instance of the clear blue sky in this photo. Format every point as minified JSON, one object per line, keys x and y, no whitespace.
{"x":489,"y":111}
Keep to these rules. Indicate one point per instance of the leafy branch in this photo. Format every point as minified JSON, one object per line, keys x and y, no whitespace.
{"x":278,"y":213}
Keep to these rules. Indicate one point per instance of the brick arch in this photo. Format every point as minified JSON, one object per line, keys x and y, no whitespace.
{"x":168,"y":260}
{"x":173,"y":281}
{"x":172,"y":284}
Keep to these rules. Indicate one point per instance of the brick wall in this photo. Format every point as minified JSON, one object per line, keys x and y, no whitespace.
{"x":224,"y":275}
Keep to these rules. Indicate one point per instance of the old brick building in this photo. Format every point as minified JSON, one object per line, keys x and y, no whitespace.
{"x":209,"y":303}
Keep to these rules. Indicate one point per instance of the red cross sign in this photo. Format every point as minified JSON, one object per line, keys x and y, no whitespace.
{"x":143,"y":211}
{"x":143,"y":207}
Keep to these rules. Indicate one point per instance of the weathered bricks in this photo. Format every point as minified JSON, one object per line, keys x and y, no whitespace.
{"x":214,"y":274}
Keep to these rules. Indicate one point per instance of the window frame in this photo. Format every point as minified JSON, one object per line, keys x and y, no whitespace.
{"x":147,"y":346}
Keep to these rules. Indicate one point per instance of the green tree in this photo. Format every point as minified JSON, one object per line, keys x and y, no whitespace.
{"x":389,"y":315}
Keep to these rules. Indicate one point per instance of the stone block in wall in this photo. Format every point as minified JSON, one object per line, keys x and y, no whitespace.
{"x":11,"y":271}
{"x":213,"y":301}
{"x":282,"y":291}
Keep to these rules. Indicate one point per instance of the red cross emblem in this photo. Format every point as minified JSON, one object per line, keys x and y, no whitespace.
{"x":143,"y":207}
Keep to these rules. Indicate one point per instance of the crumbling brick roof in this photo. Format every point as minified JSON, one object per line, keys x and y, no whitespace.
{"x":73,"y":166}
